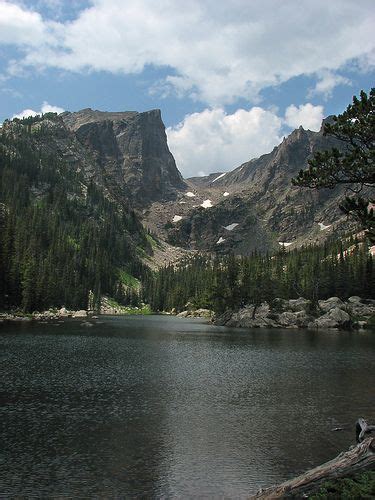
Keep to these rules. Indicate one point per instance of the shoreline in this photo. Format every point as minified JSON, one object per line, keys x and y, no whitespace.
{"x":333,"y":314}
{"x":356,"y":314}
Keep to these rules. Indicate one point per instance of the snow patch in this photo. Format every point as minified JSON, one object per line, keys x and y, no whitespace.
{"x":323,"y":227}
{"x":206,"y":204}
{"x":285,"y":244}
{"x":226,"y":193}
{"x":219,"y":177}
{"x":176,"y":218}
{"x":231,"y":226}
{"x":220,"y":240}
{"x":189,"y":194}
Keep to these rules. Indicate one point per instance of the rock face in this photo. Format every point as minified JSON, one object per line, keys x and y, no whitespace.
{"x":128,"y":150}
{"x":293,"y":215}
{"x":216,"y":229}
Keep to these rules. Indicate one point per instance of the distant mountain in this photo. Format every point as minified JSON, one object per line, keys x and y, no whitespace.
{"x":260,"y":191}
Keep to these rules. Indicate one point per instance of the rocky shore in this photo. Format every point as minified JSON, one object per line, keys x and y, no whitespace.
{"x":333,"y":313}
{"x":50,"y":315}
{"x":108,"y":307}
{"x":196,"y":313}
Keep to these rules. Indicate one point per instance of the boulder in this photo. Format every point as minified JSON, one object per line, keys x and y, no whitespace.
{"x":331,"y":303}
{"x":334,"y":318}
{"x":80,"y":314}
{"x":202,"y":313}
{"x":262,"y":311}
{"x":354,"y":299}
{"x":222,"y":319}
{"x":299,"y":304}
{"x":183,"y":314}
{"x":299,"y":319}
{"x":303,"y":319}
{"x":361,"y":309}
{"x":63,"y":312}
{"x":288,"y":319}
{"x":362,"y":325}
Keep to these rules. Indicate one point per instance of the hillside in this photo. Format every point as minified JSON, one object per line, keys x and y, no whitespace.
{"x":80,"y":191}
{"x":67,"y":234}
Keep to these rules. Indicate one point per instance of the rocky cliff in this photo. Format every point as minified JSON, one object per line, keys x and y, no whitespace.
{"x":254,"y":207}
{"x":129,"y":151}
{"x":268,"y":210}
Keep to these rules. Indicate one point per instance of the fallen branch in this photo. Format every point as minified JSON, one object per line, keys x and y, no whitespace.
{"x":360,"y":458}
{"x":362,"y":428}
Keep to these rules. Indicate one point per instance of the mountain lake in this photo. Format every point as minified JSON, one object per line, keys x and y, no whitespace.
{"x":159,"y":406}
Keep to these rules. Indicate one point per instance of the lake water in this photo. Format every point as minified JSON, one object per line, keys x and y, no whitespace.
{"x":159,"y":406}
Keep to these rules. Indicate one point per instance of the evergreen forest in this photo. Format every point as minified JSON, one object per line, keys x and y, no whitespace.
{"x":61,"y":239}
{"x":337,"y":268}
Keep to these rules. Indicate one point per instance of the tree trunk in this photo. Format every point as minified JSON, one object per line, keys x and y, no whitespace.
{"x":360,"y":458}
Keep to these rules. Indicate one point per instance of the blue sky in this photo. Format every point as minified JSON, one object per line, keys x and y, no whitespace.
{"x":231,"y":78}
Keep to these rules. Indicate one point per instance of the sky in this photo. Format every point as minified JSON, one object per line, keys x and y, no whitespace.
{"x":231,"y":78}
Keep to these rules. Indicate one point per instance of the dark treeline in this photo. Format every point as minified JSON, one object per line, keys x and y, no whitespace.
{"x":314,"y":272}
{"x":60,"y":237}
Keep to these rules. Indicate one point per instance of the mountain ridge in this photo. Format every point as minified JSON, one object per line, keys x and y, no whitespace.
{"x":281,"y":213}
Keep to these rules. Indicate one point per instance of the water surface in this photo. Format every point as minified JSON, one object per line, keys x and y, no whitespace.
{"x":161,"y":406}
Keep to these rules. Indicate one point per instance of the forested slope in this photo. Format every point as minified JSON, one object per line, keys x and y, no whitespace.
{"x":337,"y":268}
{"x":62,"y":237}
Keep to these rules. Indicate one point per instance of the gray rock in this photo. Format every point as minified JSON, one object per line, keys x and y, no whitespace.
{"x":331,"y":303}
{"x":362,"y":325}
{"x":361,"y":309}
{"x":183,"y":314}
{"x":222,"y":319}
{"x":334,"y":318}
{"x":288,"y":319}
{"x":298,"y":319}
{"x":303,"y":319}
{"x":80,"y":314}
{"x":63,"y":312}
{"x":202,"y":313}
{"x":299,"y":304}
{"x":354,"y":299}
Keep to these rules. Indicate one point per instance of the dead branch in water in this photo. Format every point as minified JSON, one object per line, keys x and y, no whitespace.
{"x":360,"y":458}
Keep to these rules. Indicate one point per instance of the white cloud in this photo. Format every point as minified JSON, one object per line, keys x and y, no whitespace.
{"x":212,"y":140}
{"x":45,"y":108}
{"x":19,"y":26}
{"x":48,"y":108}
{"x":307,"y":115}
{"x":216,"y":52}
{"x":327,"y":82}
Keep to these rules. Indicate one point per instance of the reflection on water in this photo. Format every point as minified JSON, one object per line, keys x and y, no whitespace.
{"x":161,"y":406}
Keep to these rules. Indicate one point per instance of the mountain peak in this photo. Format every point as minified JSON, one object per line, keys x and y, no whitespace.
{"x":131,"y":149}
